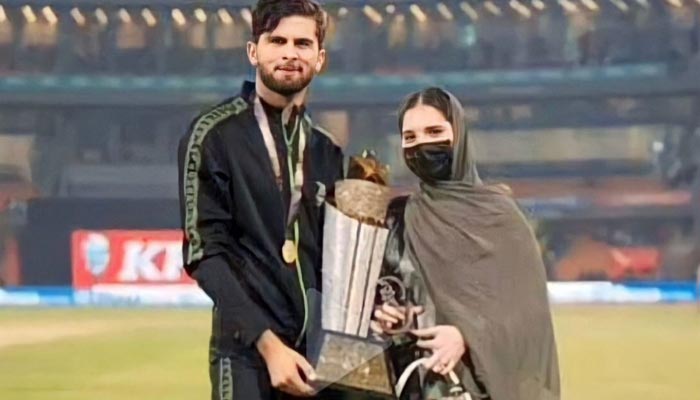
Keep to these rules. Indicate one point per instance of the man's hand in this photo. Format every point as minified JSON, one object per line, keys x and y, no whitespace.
{"x":386,"y":317}
{"x":446,"y":343}
{"x":285,"y":366}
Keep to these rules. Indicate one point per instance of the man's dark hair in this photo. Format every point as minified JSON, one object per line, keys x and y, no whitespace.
{"x":268,"y":14}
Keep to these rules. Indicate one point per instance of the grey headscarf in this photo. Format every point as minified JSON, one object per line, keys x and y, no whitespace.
{"x":464,"y":165}
{"x":483,"y":270}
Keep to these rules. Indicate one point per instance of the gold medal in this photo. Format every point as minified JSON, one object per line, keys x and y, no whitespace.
{"x":289,"y":252}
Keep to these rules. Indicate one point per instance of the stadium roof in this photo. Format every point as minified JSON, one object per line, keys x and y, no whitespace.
{"x":195,"y":3}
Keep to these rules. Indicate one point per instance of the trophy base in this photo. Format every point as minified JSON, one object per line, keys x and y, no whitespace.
{"x":354,"y":364}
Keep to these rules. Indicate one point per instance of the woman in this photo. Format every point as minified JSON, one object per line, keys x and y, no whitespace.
{"x":467,"y":246}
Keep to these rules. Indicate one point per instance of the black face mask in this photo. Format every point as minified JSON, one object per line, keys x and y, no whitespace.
{"x":430,"y":162}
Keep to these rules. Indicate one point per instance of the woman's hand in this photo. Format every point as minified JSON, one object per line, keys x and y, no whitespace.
{"x":386,"y":317}
{"x":447,"y":345}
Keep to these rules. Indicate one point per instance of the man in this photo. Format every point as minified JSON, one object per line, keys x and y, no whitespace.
{"x":254,"y":172}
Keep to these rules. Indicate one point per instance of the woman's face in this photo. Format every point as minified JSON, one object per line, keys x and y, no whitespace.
{"x":427,"y":139}
{"x":425,"y":124}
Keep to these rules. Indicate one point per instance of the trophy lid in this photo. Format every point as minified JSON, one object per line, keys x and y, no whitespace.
{"x":364,"y":195}
{"x":363,"y":200}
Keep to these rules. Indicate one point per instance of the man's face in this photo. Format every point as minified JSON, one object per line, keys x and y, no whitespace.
{"x":288,"y":57}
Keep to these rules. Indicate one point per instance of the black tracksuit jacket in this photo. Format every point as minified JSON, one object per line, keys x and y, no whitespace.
{"x":234,"y":219}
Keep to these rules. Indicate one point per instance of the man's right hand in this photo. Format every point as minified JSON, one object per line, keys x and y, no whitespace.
{"x":285,"y":366}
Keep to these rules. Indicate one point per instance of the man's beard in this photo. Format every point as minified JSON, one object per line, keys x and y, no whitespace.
{"x":285,"y":88}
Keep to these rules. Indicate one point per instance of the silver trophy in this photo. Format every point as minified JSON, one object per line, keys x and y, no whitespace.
{"x":346,"y":355}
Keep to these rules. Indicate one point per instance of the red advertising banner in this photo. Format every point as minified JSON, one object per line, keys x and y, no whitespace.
{"x":127,"y":258}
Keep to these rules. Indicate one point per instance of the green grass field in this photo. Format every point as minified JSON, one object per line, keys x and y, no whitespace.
{"x":607,"y":353}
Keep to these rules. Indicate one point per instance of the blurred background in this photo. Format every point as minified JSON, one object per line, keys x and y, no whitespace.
{"x":588,"y":109}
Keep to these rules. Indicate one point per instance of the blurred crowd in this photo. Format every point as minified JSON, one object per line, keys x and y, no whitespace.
{"x":452,"y":36}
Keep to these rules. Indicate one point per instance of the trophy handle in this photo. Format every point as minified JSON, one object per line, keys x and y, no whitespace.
{"x":393,"y":292}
